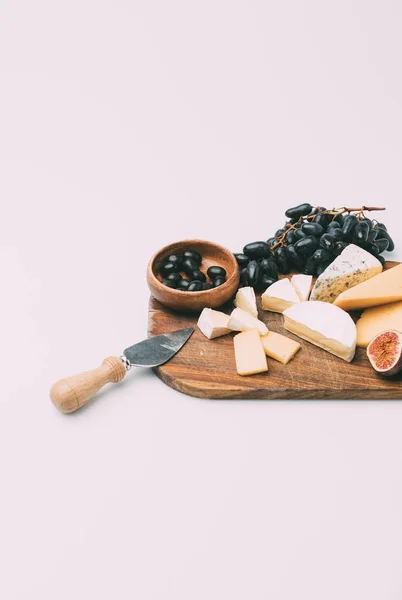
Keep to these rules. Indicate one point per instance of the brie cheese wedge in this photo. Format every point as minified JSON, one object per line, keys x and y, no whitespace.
{"x":245,"y":299}
{"x":279,"y":296}
{"x":213,"y":323}
{"x":302,"y":284}
{"x":240,"y":320}
{"x":325,"y":325}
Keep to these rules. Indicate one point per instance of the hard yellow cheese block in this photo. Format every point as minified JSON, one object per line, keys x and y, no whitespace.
{"x":377,"y":319}
{"x":249,"y":353}
{"x":279,"y":347}
{"x":384,"y":288}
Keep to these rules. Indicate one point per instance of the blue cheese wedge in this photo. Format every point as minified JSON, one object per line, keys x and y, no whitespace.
{"x":245,"y":299}
{"x":325,"y":325}
{"x":353,"y":266}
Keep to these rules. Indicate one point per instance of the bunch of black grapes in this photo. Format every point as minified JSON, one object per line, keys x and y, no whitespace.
{"x":308,"y":243}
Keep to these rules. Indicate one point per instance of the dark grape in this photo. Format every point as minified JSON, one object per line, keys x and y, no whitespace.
{"x":372,"y":235}
{"x":327,"y":242}
{"x":335,"y":233}
{"x":266,"y":281}
{"x":269,"y":267}
{"x":298,"y":211}
{"x":291,"y":237}
{"x":311,"y":267}
{"x":282,"y":260}
{"x":271,"y":241}
{"x":253,"y":273}
{"x":339,"y":219}
{"x":294,"y":259}
{"x":382,"y":226}
{"x":243,"y":278}
{"x":312,"y":229}
{"x":299,"y":233}
{"x":382,"y":245}
{"x":307,"y":246}
{"x":279,"y":232}
{"x":242,"y":259}
{"x":349,"y":225}
{"x":340,"y":247}
{"x":256,"y":250}
{"x":384,"y":235}
{"x":321,"y":255}
{"x":334,"y":225}
{"x":381,"y":259}
{"x":372,"y":248}
{"x":321,"y":267}
{"x":368,"y":221}
{"x":314,"y":210}
{"x":322,"y":220}
{"x":361,"y":232}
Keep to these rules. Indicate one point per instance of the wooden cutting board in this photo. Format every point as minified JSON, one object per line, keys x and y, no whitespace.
{"x":206,"y":368}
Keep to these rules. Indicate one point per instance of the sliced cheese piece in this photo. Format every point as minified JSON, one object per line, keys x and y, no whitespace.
{"x":245,"y":299}
{"x":302,"y":284}
{"x":381,"y":289}
{"x":279,"y":296}
{"x":324,"y":325}
{"x":240,"y":320}
{"x":249,"y":353}
{"x":353,"y":266}
{"x":213,"y":323}
{"x":279,"y":347}
{"x":377,"y":319}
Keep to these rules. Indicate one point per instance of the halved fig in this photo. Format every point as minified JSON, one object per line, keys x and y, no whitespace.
{"x":385,"y":352}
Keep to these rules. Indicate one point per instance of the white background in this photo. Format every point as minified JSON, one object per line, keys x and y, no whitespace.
{"x":125,"y":126}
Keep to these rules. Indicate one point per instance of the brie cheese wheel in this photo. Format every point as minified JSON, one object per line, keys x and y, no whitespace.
{"x":249,"y":353}
{"x":279,"y":296}
{"x":353,"y":266}
{"x":381,"y":289}
{"x":302,"y":284}
{"x":325,"y":325}
{"x":245,"y":299}
{"x":213,"y":323}
{"x":377,"y":319}
{"x":279,"y":347}
{"x":240,"y":320}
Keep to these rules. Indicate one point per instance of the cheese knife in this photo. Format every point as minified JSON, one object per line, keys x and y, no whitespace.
{"x":73,"y":392}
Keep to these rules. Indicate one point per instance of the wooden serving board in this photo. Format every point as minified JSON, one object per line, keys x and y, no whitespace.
{"x":206,"y":368}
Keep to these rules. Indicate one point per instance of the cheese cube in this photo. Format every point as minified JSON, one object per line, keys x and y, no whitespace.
{"x":279,"y":347}
{"x":377,"y":319}
{"x":249,"y":353}
{"x":213,"y":323}
{"x":245,"y":299}
{"x":240,"y":320}
{"x":279,"y":296}
{"x":302,"y":284}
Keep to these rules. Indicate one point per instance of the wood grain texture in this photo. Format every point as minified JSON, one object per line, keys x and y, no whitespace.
{"x":206,"y":368}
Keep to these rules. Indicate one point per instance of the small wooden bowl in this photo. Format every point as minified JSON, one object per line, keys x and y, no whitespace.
{"x":180,"y":300}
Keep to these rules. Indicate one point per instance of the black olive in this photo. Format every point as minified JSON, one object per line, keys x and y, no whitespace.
{"x":253,"y":273}
{"x":174,"y":277}
{"x":183,"y":284}
{"x":256,"y":250}
{"x":327,"y":242}
{"x":361,"y":232}
{"x":294,"y":259}
{"x":198,"y":276}
{"x":306,"y":246}
{"x":216,"y":271}
{"x":167,"y":268}
{"x":266,"y":281}
{"x":243,"y":278}
{"x":189,"y":265}
{"x":282,"y":260}
{"x":169,"y":283}
{"x":242,"y":259}
{"x":195,"y":286}
{"x":269,"y":267}
{"x":219,"y":281}
{"x":177,"y":259}
{"x":312,"y":229}
{"x":193,"y":255}
{"x":207,"y":286}
{"x":334,"y":225}
{"x":340,"y":247}
{"x":382,"y":245}
{"x":298,"y":211}
{"x":349,"y":225}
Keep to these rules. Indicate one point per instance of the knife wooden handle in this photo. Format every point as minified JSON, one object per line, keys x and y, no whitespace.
{"x":71,"y":393}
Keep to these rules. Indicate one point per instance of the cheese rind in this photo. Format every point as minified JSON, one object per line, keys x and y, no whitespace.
{"x":240,"y":320}
{"x":279,"y":347}
{"x":381,"y":289}
{"x":249,"y":353}
{"x":324,"y":325}
{"x":213,"y":323}
{"x":279,"y":296}
{"x":353,"y":266}
{"x":377,"y":319}
{"x":302,"y":284}
{"x":245,"y":299}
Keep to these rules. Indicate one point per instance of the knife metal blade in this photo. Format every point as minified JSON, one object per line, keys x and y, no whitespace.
{"x":157,"y":350}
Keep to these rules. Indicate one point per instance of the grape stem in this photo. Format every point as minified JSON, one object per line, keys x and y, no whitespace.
{"x":335,"y":212}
